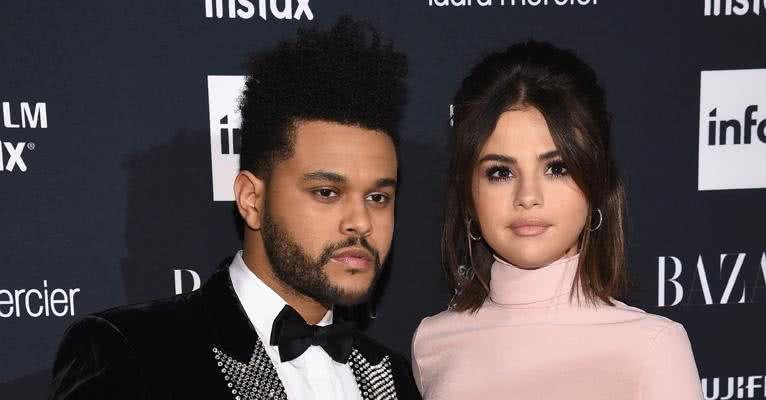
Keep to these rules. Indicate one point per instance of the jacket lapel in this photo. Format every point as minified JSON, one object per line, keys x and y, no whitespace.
{"x":236,"y":351}
{"x":255,"y":380}
{"x":375,"y":381}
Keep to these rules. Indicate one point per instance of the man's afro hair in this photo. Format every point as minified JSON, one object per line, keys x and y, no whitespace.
{"x":345,"y":75}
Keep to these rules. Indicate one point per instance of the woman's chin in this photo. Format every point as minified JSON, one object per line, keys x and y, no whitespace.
{"x":531,"y":259}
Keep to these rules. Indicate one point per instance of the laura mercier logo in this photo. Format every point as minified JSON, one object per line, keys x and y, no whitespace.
{"x":734,"y":278}
{"x":223,"y":96}
{"x":510,"y":3}
{"x":733,"y":7}
{"x":732,"y":129}
{"x":35,"y":303}
{"x":245,"y":9}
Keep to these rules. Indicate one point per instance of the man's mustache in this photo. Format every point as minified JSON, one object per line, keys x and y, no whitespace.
{"x":350,"y":242}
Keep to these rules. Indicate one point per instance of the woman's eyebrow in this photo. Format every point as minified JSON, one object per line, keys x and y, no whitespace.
{"x":510,"y":160}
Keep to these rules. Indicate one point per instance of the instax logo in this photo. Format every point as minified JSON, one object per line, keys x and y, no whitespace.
{"x":224,"y":93}
{"x":732,"y":129}
{"x":733,"y":7}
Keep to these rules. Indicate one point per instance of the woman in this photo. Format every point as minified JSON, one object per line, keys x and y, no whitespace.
{"x":533,"y":245}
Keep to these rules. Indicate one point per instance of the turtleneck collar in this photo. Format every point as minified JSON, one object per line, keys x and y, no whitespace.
{"x":512,"y":285}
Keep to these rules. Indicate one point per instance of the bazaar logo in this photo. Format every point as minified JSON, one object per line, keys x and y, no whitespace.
{"x":736,"y":278}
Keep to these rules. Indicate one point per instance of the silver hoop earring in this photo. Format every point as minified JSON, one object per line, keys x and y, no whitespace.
{"x":468,"y":230}
{"x":600,"y":220}
{"x":465,"y":271}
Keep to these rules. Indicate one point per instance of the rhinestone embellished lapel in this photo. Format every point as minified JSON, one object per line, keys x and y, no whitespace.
{"x":255,"y":380}
{"x":258,"y":378}
{"x":376,"y":382}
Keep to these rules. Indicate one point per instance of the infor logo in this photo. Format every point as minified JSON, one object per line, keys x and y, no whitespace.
{"x":732,"y":130}
{"x":225,"y":138}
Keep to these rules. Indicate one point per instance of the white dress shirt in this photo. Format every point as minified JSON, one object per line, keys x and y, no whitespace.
{"x":312,"y":375}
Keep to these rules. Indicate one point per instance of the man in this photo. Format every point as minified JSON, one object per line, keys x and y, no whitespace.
{"x":316,"y":194}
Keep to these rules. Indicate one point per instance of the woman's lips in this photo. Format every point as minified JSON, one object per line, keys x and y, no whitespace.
{"x":529,"y":227}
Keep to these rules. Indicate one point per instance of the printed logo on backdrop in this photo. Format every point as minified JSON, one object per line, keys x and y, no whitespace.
{"x":705,"y":280}
{"x":267,"y":9}
{"x":22,"y":115}
{"x":511,"y":3}
{"x":224,"y":93}
{"x":186,"y":280}
{"x":732,"y":129}
{"x":734,"y":7}
{"x":734,"y":387}
{"x":38,"y":302}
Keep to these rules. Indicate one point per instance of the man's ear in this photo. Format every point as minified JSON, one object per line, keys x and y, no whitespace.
{"x":249,"y":192}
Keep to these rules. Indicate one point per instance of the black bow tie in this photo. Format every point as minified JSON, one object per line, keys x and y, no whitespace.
{"x":293,"y":336}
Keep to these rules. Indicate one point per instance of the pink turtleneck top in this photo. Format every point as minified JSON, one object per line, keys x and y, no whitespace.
{"x":529,"y":341}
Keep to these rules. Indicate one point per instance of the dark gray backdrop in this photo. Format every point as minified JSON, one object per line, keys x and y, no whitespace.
{"x":117,"y":189}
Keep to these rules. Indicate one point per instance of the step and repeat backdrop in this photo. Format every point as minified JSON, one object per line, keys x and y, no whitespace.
{"x":119,"y":142}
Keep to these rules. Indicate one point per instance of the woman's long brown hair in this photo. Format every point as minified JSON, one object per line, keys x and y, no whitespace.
{"x":565,"y":90}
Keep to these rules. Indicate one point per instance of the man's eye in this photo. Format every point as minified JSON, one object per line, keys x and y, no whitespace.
{"x":326,"y":193}
{"x":380,"y":198}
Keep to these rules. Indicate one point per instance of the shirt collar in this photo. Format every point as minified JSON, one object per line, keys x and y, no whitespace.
{"x":261,"y":303}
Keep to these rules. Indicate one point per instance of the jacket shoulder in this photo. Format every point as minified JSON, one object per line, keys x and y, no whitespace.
{"x":95,"y":360}
{"x":152,"y":314}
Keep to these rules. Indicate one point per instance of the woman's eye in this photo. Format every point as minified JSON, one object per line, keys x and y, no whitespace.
{"x":499,"y":173}
{"x":380,"y":198}
{"x":557,"y":168}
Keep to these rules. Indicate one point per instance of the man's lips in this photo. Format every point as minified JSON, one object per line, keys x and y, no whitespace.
{"x":354,"y":257}
{"x":529,"y":227}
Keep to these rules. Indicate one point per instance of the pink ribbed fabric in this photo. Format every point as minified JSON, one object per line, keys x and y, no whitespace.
{"x":531,"y":340}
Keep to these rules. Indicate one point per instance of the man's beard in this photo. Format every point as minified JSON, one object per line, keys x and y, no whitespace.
{"x":306,"y":275}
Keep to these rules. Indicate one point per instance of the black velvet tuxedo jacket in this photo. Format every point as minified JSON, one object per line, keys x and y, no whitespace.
{"x":198,"y":345}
